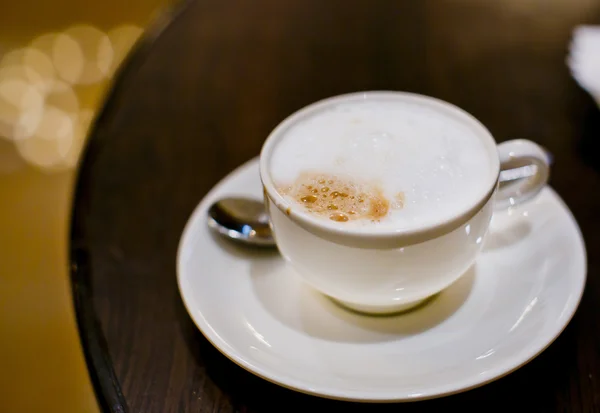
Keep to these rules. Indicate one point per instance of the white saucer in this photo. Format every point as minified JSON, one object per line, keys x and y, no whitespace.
{"x":518,"y":298}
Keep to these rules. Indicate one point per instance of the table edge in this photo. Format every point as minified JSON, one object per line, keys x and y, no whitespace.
{"x":106,"y":386}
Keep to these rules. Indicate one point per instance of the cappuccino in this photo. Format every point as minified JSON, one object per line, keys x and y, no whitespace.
{"x":387,"y":163}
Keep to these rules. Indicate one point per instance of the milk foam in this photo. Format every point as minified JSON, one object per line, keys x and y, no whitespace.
{"x":436,"y":161}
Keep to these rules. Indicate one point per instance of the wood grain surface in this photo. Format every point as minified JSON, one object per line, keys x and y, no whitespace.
{"x":199,"y":99}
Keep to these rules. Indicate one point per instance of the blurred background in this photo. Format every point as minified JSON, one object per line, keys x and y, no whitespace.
{"x":57,"y":61}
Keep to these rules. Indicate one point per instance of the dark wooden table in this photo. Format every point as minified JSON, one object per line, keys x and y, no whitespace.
{"x":197,"y":99}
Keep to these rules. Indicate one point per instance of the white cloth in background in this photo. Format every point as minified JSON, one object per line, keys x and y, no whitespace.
{"x":584,"y":59}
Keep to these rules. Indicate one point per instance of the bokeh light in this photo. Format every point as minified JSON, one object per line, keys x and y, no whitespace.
{"x":21,"y":103}
{"x":82,"y":55}
{"x":49,"y":90}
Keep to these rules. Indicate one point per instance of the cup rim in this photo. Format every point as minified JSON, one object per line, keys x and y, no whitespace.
{"x":383,"y":237}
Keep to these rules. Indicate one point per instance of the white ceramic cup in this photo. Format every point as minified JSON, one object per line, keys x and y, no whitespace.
{"x":382,"y":272}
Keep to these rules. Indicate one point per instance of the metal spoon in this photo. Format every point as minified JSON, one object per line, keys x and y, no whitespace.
{"x":241,"y":219}
{"x":245,"y":220}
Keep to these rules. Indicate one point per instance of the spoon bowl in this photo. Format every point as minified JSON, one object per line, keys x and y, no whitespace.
{"x":241,"y":219}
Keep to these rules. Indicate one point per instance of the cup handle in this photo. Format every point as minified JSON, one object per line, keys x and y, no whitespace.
{"x":524,"y":171}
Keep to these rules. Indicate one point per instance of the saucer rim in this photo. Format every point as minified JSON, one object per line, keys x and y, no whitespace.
{"x":513,"y":364}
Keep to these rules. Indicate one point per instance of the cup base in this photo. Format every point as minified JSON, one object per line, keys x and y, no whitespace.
{"x":381,"y":310}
